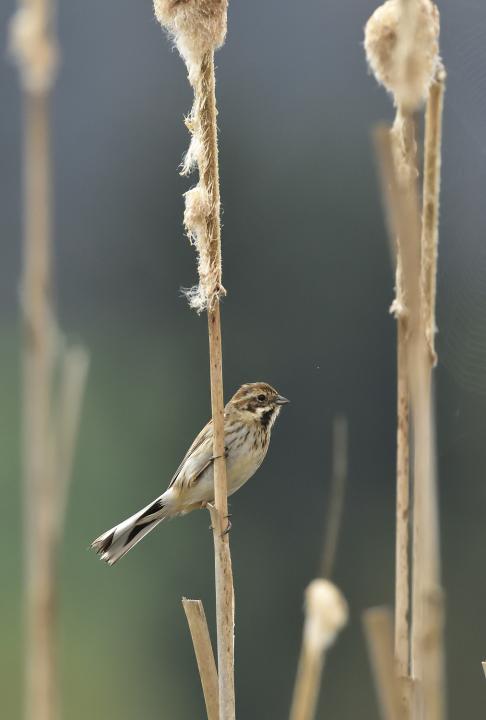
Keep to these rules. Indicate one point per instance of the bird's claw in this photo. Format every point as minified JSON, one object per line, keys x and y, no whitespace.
{"x":228,"y":526}
{"x":212,"y":507}
{"x":226,"y":453}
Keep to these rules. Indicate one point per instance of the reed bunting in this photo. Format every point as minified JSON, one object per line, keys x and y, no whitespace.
{"x":248,"y":420}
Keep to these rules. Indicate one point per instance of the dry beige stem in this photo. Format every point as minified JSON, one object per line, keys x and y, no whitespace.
{"x":41,"y":682}
{"x":74,"y":371}
{"x":48,"y":439}
{"x":484,"y":667}
{"x":405,"y":156}
{"x":202,"y":215}
{"x":225,"y":597}
{"x":430,"y":212}
{"x":201,"y":641}
{"x":401,"y":42}
{"x":338,"y":489}
{"x":402,"y":573}
{"x":198,"y":28}
{"x":378,"y":625}
{"x":326,"y":613}
{"x":427,"y":613}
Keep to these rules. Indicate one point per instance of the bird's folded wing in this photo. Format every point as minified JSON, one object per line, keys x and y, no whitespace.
{"x":196,"y":460}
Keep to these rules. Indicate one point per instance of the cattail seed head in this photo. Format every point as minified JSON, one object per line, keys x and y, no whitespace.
{"x":326,"y":613}
{"x":34,"y":48}
{"x":404,"y":56}
{"x":196,"y":212}
{"x":197,"y":26}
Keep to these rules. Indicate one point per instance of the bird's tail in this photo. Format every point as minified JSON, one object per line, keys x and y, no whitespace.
{"x":115,"y":543}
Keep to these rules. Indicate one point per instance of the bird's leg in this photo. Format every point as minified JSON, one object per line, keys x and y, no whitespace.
{"x":209,"y":506}
{"x":212,"y":508}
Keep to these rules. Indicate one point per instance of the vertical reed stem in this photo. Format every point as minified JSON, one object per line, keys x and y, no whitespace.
{"x":307,"y":684}
{"x":337,"y":493}
{"x":427,"y":627}
{"x":427,"y":662}
{"x":201,"y":641}
{"x":40,"y":601}
{"x":48,"y":438}
{"x":402,"y":572}
{"x":405,"y":152}
{"x":378,"y":627}
{"x":222,"y":556}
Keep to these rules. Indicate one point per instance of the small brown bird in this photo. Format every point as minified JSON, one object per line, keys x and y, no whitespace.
{"x":248,"y":420}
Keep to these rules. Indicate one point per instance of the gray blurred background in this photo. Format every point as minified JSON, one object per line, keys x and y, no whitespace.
{"x":307,"y":268}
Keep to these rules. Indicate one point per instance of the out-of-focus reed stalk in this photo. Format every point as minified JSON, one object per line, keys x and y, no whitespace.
{"x":198,"y":28}
{"x":48,"y":435}
{"x":326,"y":610}
{"x":401,"y":41}
{"x":378,"y":625}
{"x":326,"y":613}
{"x":336,"y":496}
{"x":203,"y":650}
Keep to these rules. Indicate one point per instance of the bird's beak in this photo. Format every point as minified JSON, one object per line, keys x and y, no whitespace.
{"x":280,"y":400}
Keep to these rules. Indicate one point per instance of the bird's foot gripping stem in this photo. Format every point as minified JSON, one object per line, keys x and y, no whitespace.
{"x":213,"y":509}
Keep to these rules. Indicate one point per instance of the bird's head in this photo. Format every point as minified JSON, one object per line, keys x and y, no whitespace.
{"x":259,"y":401}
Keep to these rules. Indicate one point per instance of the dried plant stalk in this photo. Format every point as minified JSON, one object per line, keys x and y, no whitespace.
{"x":199,"y":28}
{"x":41,"y":681}
{"x":201,"y":641}
{"x":402,"y":48}
{"x":427,"y":644}
{"x":326,"y":613}
{"x":378,"y":625}
{"x":74,"y":371}
{"x":483,"y":664}
{"x":225,"y":602}
{"x":405,"y":151}
{"x":307,"y":685}
{"x":402,"y":573}
{"x":430,"y":212}
{"x":337,"y":493}
{"x":48,"y":440}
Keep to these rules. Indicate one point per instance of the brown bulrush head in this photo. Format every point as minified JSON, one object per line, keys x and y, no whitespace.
{"x":407,"y":78}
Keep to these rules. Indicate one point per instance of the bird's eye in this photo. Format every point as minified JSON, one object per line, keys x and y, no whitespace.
{"x":261,"y":398}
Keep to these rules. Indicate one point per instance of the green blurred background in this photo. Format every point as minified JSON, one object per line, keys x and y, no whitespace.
{"x":310,"y":282}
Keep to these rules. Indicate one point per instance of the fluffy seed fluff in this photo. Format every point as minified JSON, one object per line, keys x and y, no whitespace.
{"x":195,"y":222}
{"x":326,"y":613}
{"x":34,"y":49}
{"x":197,"y":26}
{"x":418,"y":38}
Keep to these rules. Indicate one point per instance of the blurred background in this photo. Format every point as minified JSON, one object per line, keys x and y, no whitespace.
{"x":309,"y":281}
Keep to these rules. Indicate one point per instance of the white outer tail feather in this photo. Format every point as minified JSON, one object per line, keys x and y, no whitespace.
{"x":116,"y":542}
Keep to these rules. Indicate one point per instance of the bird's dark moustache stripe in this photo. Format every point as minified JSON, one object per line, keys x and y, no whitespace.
{"x":266,"y":417}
